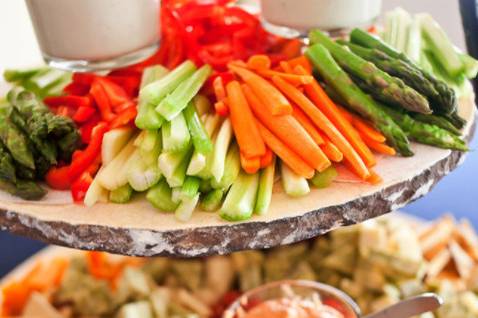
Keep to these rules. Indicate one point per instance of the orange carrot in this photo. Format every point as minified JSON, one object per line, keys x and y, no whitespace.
{"x":266,"y":92}
{"x":374,"y":178}
{"x":366,"y":129}
{"x":286,"y":67}
{"x":289,"y":131}
{"x":378,"y":146}
{"x":331,"y":150}
{"x":315,"y":92}
{"x":289,"y":157}
{"x":259,"y":62}
{"x":221,"y":108}
{"x":322,"y":122}
{"x":308,"y":125}
{"x":250,"y":165}
{"x":266,"y":159}
{"x":292,"y":48}
{"x":219,"y":89}
{"x":14,"y":297}
{"x":293,"y":79}
{"x":243,"y":123}
{"x":301,"y":61}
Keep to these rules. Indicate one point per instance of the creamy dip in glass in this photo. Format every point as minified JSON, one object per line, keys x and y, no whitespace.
{"x":95,"y":34}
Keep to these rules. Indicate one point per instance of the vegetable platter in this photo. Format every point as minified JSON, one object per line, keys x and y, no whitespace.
{"x":235,"y":140}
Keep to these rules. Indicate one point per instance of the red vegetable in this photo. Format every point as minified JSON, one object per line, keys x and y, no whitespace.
{"x":124,"y":118}
{"x":102,"y":101}
{"x":83,"y":114}
{"x":80,"y":186}
{"x":57,"y":178}
{"x":69,"y":100}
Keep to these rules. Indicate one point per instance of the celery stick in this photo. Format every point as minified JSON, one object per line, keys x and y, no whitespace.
{"x":175,"y":134}
{"x":186,"y":208}
{"x":205,"y":185}
{"x":197,"y":164}
{"x":179,"y":174}
{"x":122,"y":194}
{"x":414,"y":45}
{"x":232,"y":167}
{"x":160,"y":197}
{"x":153,"y":73}
{"x":189,"y":188}
{"x":144,"y":173}
{"x":212,"y":200}
{"x":221,"y":146}
{"x":95,"y":193}
{"x":202,"y":142}
{"x":154,"y":92}
{"x":440,"y":46}
{"x":471,"y":65}
{"x":294,"y":185}
{"x":114,"y":174}
{"x":169,"y":161}
{"x":403,"y":21}
{"x":175,"y":195}
{"x":241,"y":198}
{"x":150,"y":140}
{"x":113,"y":141}
{"x":212,"y":123}
{"x":139,"y":139}
{"x":174,"y":103}
{"x":325,"y":178}
{"x":202,"y":104}
{"x":264,"y":193}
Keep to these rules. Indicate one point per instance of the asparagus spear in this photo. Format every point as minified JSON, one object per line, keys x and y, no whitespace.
{"x":7,"y":168}
{"x":446,"y":102}
{"x":356,"y":99}
{"x":425,"y":133}
{"x":25,"y":189}
{"x":439,"y":121}
{"x":387,"y":88}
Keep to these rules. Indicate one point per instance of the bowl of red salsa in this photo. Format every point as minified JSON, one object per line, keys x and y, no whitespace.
{"x":293,"y":298}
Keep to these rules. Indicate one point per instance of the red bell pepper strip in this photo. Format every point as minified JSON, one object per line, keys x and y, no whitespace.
{"x":58,"y":178}
{"x":77,"y":89}
{"x":102,"y":100}
{"x":87,"y":128}
{"x":130,"y":84}
{"x":115,"y":93}
{"x":124,"y":118}
{"x":88,"y":156}
{"x":80,"y":186}
{"x":84,"y":78}
{"x":68,"y":100}
{"x":83,"y":114}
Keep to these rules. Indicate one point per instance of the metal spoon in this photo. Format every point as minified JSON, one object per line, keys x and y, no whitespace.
{"x":410,"y":307}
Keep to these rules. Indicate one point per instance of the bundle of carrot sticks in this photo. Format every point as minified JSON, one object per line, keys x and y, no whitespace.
{"x":284,"y":111}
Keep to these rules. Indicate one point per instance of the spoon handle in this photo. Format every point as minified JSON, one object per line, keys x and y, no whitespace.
{"x":410,"y":307}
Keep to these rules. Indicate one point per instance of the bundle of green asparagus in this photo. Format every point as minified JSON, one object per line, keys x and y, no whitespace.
{"x":384,"y":86}
{"x":32,"y":139}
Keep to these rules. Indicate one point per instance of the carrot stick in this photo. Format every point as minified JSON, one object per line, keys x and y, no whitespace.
{"x":289,"y":131}
{"x":219,"y":90}
{"x":322,"y":122}
{"x":250,"y":165}
{"x":286,"y":67}
{"x":266,"y":159}
{"x":293,"y":79}
{"x":291,"y":48}
{"x":243,"y":123}
{"x":374,"y":178}
{"x":366,"y":129}
{"x":315,"y":92}
{"x":378,"y":146}
{"x":308,"y":125}
{"x":266,"y":92}
{"x":302,"y":61}
{"x":331,"y":151}
{"x":259,"y":62}
{"x":290,"y":158}
{"x":221,"y":108}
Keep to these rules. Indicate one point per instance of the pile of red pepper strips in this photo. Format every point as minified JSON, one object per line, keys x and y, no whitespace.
{"x":206,"y":32}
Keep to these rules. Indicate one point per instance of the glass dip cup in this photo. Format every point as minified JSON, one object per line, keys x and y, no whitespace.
{"x":91,"y":35}
{"x":328,"y":295}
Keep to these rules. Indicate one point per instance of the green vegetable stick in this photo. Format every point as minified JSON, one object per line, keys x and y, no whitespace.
{"x":325,"y":178}
{"x":122,"y":194}
{"x":186,"y":208}
{"x":241,"y":198}
{"x":212,"y":200}
{"x":152,"y":74}
{"x":160,"y":197}
{"x":174,"y":103}
{"x":179,"y":174}
{"x":189,"y":188}
{"x":175,"y":134}
{"x":202,"y":142}
{"x":294,"y":185}
{"x":168,"y":162}
{"x":232,"y":167}
{"x":224,"y":137}
{"x":264,"y":193}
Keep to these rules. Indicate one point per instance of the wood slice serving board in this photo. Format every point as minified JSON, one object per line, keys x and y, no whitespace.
{"x":138,"y":229}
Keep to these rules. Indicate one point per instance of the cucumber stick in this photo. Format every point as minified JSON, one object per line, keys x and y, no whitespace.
{"x":113,"y":141}
{"x":175,"y":134}
{"x":174,"y":103}
{"x":325,"y":178}
{"x":264,"y":192}
{"x":201,"y":140}
{"x":114,"y":174}
{"x":440,"y":46}
{"x":122,"y":194}
{"x":186,"y":208}
{"x":294,"y":185}
{"x":153,"y":93}
{"x":241,"y":198}
{"x":160,"y":197}
{"x":224,"y":137}
{"x":212,"y":200}
{"x":232,"y":168}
